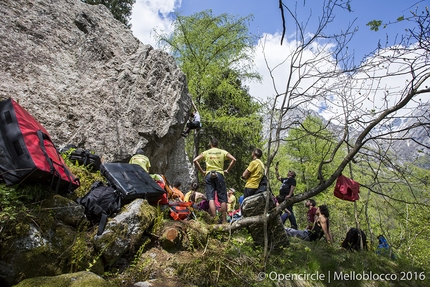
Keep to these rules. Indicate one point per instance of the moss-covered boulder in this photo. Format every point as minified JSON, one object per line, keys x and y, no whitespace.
{"x":65,"y":210}
{"x":39,"y":252}
{"x":78,"y":279}
{"x":125,"y":231}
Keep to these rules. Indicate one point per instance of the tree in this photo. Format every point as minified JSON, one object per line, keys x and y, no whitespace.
{"x":215,"y":53}
{"x":355,"y":98}
{"x":121,"y":9}
{"x":303,"y":152}
{"x":365,"y":102}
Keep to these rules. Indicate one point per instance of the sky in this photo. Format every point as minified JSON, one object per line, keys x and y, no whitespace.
{"x":148,"y":15}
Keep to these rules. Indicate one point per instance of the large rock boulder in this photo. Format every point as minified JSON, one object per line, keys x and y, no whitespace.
{"x":125,"y":231}
{"x":87,"y":79}
{"x":42,"y":249}
{"x":60,"y":240}
{"x":82,"y":278}
{"x":254,"y":205}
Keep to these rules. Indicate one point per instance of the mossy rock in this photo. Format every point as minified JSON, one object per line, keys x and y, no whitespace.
{"x":83,"y":278}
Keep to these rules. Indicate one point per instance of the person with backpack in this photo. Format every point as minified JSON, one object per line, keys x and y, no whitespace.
{"x":287,"y":191}
{"x":321,"y":227}
{"x":141,"y":159}
{"x":253,"y":174}
{"x":214,"y":158}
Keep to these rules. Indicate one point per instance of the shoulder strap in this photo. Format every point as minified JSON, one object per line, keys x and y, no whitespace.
{"x":102,"y":223}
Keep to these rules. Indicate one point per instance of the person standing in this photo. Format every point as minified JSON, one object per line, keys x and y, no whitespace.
{"x":287,"y":191}
{"x":141,"y":159}
{"x":214,"y":158}
{"x":253,"y":173}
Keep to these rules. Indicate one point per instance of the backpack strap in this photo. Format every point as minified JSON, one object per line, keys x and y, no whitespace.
{"x":130,"y":187}
{"x":102,"y":223}
{"x":42,"y":136}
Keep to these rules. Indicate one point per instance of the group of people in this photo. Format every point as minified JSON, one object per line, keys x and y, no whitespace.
{"x":318,"y":217}
{"x":219,"y":200}
{"x":318,"y":224}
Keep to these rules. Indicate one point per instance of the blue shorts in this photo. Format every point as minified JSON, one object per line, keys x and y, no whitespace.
{"x":215,"y":185}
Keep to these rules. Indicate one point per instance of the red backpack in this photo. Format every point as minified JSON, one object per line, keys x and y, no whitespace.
{"x":346,"y":189}
{"x":180,"y":210}
{"x":27,"y":153}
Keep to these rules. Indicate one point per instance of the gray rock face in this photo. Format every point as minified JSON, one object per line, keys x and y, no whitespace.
{"x":87,"y":79}
{"x":125,"y":231}
{"x":254,"y":205}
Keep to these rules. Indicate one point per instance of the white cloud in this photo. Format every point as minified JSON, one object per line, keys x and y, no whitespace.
{"x":273,"y":62}
{"x":148,"y":15}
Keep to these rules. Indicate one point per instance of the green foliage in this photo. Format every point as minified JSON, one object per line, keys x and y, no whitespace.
{"x":225,"y":263}
{"x":393,"y":197}
{"x":82,"y":251}
{"x":139,"y":263}
{"x":121,"y":9}
{"x":86,"y":176}
{"x":215,"y":53}
{"x":374,"y":25}
{"x":305,"y":147}
{"x":12,"y":211}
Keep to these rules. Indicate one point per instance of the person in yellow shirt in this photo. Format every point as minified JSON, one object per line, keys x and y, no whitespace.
{"x":253,"y":173}
{"x":231,"y":204}
{"x":194,"y":187}
{"x":214,"y":175}
{"x":140,"y":159}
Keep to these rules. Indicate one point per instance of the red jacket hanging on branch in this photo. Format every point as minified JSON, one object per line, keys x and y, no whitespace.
{"x":346,"y":189}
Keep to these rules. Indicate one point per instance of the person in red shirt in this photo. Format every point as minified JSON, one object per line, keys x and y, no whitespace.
{"x":311,"y":214}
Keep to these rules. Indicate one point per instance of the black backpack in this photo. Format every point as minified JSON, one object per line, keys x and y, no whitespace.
{"x":352,"y":240}
{"x":262,"y":186}
{"x":100,"y":203}
{"x":82,"y":156}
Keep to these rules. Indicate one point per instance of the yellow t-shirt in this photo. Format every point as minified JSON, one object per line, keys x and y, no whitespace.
{"x":141,"y":160}
{"x":214,"y":159}
{"x":256,"y":169}
{"x":231,"y":205}
{"x":188,"y":195}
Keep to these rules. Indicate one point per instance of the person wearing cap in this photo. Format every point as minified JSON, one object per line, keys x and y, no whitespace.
{"x":287,"y":191}
{"x":231,"y":204}
{"x":140,"y":159}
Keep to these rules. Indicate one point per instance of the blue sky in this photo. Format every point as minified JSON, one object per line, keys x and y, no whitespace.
{"x":267,"y":16}
{"x":157,"y":14}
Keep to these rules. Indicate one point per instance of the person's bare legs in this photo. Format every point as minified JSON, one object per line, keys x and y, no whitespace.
{"x":212,"y":208}
{"x":223,"y":210}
